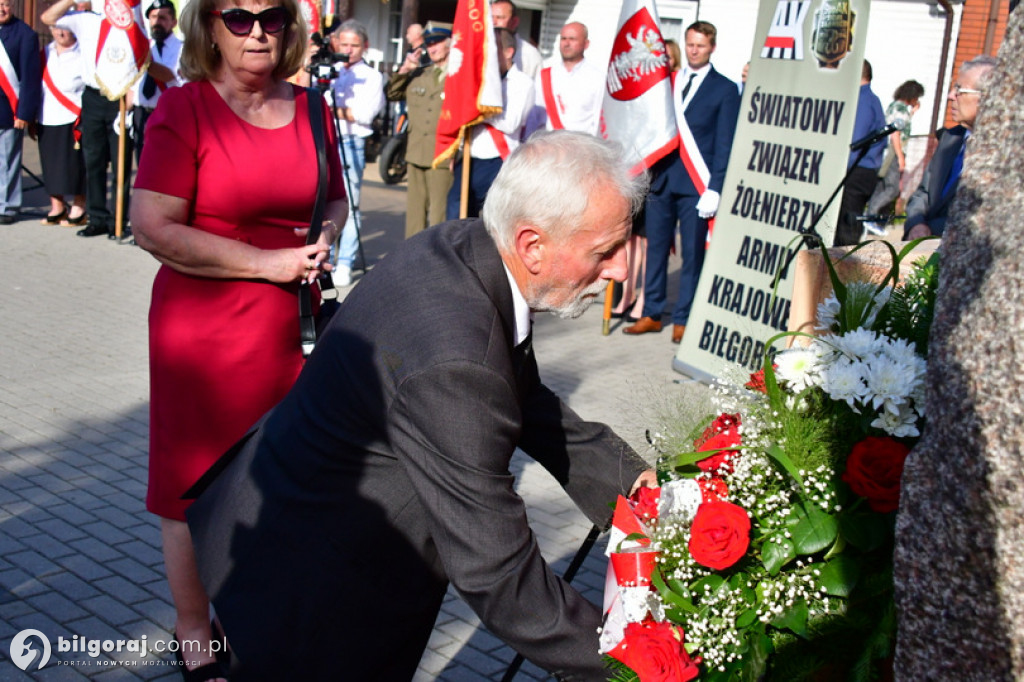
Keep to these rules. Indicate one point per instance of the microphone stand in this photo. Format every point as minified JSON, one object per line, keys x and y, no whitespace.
{"x":811,"y":237}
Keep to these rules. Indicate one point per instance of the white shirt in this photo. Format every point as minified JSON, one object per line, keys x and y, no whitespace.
{"x":684,"y":76}
{"x":66,"y":72}
{"x":521,"y":310}
{"x":579,"y":95}
{"x":86,"y":27}
{"x":527,"y":59}
{"x":359,"y":87}
{"x":171,"y":58}
{"x":517,"y":96}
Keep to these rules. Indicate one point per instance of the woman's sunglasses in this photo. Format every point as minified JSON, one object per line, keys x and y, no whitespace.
{"x":240,"y":21}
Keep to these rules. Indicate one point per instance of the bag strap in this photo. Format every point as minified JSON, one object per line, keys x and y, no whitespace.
{"x":307,"y":323}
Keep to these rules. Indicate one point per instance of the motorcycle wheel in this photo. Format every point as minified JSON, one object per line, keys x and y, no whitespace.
{"x":391,"y":161}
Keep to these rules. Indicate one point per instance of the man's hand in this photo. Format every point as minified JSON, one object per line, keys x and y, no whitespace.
{"x":20,"y":124}
{"x":707,"y":205}
{"x":648,"y":479}
{"x":918,"y":231}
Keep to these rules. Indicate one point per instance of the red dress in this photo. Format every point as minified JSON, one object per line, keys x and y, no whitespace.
{"x":222,"y":351}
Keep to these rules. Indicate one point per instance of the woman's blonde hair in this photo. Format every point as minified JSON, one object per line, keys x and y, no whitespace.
{"x":200,"y":59}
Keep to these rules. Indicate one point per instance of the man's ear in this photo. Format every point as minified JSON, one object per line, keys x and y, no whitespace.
{"x":530,"y":245}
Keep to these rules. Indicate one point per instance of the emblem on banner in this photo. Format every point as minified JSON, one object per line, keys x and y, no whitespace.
{"x":638,"y":60}
{"x":833,"y":32}
{"x":785,"y":38}
{"x":119,"y":14}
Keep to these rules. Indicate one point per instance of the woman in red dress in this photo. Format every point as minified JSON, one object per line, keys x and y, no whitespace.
{"x":223,"y":198}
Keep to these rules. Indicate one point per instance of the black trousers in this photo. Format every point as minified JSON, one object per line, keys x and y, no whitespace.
{"x":856,"y":193}
{"x":140,"y":115}
{"x":99,"y":151}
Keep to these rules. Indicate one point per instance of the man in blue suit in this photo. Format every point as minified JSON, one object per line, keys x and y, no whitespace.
{"x":686,"y":187}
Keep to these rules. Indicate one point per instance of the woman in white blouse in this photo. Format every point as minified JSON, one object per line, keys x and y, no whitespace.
{"x":60,"y":155}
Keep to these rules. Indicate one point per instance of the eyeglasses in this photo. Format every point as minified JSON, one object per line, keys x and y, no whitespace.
{"x":957,"y":91}
{"x":240,"y":21}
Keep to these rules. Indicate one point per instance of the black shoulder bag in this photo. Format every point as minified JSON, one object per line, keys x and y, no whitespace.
{"x":310,"y":326}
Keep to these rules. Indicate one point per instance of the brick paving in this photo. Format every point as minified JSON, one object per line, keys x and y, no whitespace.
{"x":79,"y":555}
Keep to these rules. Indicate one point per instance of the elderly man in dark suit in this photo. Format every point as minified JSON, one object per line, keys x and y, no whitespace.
{"x":686,"y":187}
{"x":328,"y":542}
{"x":928,"y":206}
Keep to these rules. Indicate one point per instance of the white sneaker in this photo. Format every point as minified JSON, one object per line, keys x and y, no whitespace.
{"x":342,"y":275}
{"x":874,"y":228}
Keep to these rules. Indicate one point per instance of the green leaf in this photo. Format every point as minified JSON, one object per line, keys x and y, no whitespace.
{"x":866,"y":531}
{"x":713,"y":581}
{"x":746,"y":618}
{"x":812,"y":529}
{"x":669,"y":595}
{"x":793,"y":619}
{"x":775,"y":555}
{"x":839,"y":576}
{"x":756,"y":657}
{"x":780,"y":456}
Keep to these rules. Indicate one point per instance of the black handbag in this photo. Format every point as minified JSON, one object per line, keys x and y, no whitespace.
{"x":311,"y":327}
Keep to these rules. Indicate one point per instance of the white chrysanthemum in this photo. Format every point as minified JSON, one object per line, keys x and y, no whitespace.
{"x":828,"y":312}
{"x":889,"y":383}
{"x":798,"y":367}
{"x":679,"y":499}
{"x":859,"y":343}
{"x":902,"y":351}
{"x":901,"y":424}
{"x":844,"y":380}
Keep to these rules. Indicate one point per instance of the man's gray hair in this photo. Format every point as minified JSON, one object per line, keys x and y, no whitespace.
{"x":548,"y":182}
{"x":982,"y":61}
{"x":353,"y":26}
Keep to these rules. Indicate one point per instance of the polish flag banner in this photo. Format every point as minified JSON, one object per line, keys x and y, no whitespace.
{"x":472,"y":88}
{"x":637,"y":111}
{"x":122,"y":51}
{"x":311,"y":13}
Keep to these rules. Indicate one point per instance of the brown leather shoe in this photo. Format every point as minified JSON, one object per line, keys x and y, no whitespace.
{"x":677,"y":332}
{"x":643,"y":325}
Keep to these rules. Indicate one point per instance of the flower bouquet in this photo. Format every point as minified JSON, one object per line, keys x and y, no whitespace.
{"x":766,"y":554}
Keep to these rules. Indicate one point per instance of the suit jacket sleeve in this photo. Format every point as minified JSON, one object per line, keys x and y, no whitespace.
{"x":455,"y":428}
{"x":917,"y":205}
{"x":30,"y":72}
{"x":728,"y":113}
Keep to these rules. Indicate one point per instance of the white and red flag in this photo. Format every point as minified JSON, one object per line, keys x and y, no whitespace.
{"x":472,"y":89}
{"x":311,"y":13}
{"x":637,"y":111}
{"x":122,"y":52}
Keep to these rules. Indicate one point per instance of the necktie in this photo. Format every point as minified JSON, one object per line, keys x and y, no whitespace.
{"x":149,"y":83}
{"x":686,"y":88}
{"x":954,"y":172}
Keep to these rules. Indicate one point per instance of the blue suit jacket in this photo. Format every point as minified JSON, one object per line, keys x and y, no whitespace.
{"x":928,"y":204}
{"x":22,"y":45}
{"x":711,"y":115}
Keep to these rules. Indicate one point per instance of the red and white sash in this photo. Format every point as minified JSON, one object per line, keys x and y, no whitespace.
{"x":694,"y":163}
{"x":499,"y":141}
{"x":64,"y":100}
{"x":122,"y":50}
{"x":9,"y":82}
{"x":550,"y":101}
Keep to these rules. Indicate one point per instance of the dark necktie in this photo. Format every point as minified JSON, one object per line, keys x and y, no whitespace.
{"x":149,"y":83}
{"x":686,"y":88}
{"x":524,"y":363}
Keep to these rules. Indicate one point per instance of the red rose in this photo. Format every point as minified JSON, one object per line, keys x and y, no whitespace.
{"x":756,"y":382}
{"x":655,"y":652}
{"x":724,"y":435}
{"x":873,"y":470}
{"x":645,"y":504}
{"x":720,"y":534}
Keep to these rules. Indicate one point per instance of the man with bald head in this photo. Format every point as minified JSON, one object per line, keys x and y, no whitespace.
{"x":569,"y":93}
{"x":928,"y":207}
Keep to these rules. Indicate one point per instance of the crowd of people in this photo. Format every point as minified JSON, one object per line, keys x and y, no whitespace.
{"x":439,"y":392}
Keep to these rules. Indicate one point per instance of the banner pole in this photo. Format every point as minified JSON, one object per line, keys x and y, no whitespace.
{"x":119,"y":210}
{"x":464,"y":189}
{"x":606,"y":324}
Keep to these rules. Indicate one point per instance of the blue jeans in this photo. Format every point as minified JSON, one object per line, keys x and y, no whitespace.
{"x":354,"y":158}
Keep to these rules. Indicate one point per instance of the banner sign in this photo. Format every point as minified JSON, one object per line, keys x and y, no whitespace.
{"x":788,"y":156}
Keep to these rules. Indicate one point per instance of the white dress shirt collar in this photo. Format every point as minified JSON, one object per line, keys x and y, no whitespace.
{"x":522,"y":316}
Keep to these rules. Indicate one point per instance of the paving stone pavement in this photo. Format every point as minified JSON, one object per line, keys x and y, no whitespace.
{"x":80,"y":556}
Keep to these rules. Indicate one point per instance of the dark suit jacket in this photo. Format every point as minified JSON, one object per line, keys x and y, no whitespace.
{"x":327,"y":545}
{"x":927,"y":204}
{"x":712,"y":115}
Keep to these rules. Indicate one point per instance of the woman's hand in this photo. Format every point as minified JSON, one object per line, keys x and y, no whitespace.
{"x":291,"y":265}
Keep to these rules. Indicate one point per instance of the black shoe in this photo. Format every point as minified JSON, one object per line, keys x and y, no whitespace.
{"x":92,"y":230}
{"x":7,"y":219}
